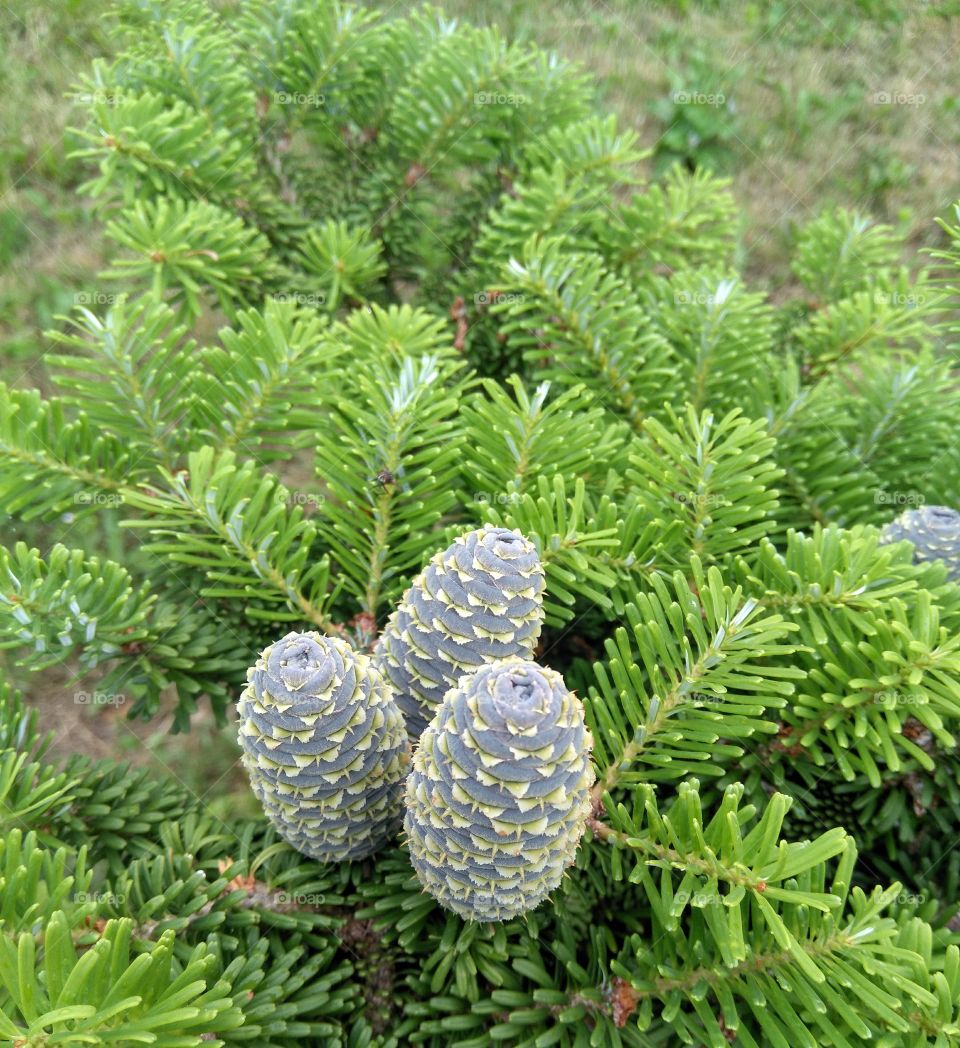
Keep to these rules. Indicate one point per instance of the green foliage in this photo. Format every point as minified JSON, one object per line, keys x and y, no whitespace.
{"x":715,"y":476}
{"x":841,"y":252}
{"x":741,"y":886}
{"x":387,"y":455}
{"x":687,"y":220}
{"x":699,"y":123}
{"x":238,"y":529}
{"x":52,"y":463}
{"x":514,"y":438}
{"x":565,"y":311}
{"x":346,"y":262}
{"x":188,"y":247}
{"x":72,"y":607}
{"x":688,"y":674}
{"x":106,"y":991}
{"x":452,"y":299}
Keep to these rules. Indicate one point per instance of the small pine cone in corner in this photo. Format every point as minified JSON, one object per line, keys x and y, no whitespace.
{"x":499,"y":792}
{"x":934,"y":532}
{"x":325,"y":747}
{"x":479,"y":600}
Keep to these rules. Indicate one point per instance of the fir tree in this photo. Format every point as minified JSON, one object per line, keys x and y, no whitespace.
{"x":442,"y":280}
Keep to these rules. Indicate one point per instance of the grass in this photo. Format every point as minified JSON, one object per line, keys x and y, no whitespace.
{"x":49,"y":239}
{"x":801,"y":125}
{"x":791,"y":108}
{"x":787,"y":97}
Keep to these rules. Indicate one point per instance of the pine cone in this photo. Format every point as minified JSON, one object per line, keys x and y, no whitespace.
{"x":324,"y":745}
{"x":499,"y":793}
{"x":477,"y":601}
{"x":934,"y":532}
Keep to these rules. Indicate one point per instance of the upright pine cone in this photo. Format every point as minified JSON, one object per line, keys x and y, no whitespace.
{"x":934,"y":532}
{"x":325,"y":747}
{"x":499,"y":793}
{"x":477,"y":601}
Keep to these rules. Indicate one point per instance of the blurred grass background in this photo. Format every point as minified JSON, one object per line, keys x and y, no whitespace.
{"x":799,"y":126}
{"x":793,"y":109}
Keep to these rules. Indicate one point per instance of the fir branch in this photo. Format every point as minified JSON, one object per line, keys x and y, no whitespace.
{"x":387,"y":456}
{"x":256,"y":392}
{"x":564,"y":312}
{"x":687,"y":221}
{"x":691,"y":670}
{"x":128,"y":373}
{"x":841,"y":252}
{"x":50,"y":464}
{"x":716,"y":476}
{"x":514,"y":441}
{"x":236,"y":527}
